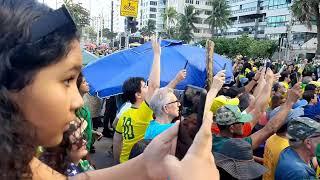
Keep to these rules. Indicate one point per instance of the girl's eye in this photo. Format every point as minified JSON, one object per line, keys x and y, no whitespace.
{"x":68,"y":81}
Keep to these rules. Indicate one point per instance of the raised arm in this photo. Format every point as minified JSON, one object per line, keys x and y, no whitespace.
{"x":278,"y":120}
{"x":262,"y":100}
{"x":181,"y":75}
{"x":154,"y":77}
{"x":218,"y":81}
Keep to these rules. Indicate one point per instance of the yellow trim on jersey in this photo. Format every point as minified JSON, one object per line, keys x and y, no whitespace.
{"x":132,"y":125}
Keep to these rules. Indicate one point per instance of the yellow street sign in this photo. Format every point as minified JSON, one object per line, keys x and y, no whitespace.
{"x":129,"y":8}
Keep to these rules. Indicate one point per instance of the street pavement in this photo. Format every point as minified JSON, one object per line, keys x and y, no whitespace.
{"x":103,"y":156}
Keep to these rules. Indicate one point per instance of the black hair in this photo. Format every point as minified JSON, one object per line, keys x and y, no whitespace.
{"x":20,"y":60}
{"x":130,"y":87}
{"x":139,"y":147}
{"x":283,"y":128}
{"x":276,"y":87}
{"x":284,"y":75}
{"x":223,"y":127}
{"x":244,"y":101}
{"x":276,"y":101}
{"x":309,"y":95}
{"x":310,"y":87}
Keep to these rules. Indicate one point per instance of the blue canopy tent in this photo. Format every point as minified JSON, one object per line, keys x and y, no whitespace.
{"x":106,"y":75}
{"x":88,"y":57}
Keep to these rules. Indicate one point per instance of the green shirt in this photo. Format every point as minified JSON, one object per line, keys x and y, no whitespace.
{"x":84,"y":113}
{"x":218,"y":141}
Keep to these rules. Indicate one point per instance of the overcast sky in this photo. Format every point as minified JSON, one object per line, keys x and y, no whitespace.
{"x":96,"y":6}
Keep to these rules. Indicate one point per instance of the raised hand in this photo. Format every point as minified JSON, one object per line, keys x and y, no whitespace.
{"x":181,"y":75}
{"x":294,"y":94}
{"x":218,"y":80}
{"x":156,"y":45}
{"x":269,"y":75}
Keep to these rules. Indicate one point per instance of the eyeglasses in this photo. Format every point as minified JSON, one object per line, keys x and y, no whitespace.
{"x":176,"y":101}
{"x":146,"y":84}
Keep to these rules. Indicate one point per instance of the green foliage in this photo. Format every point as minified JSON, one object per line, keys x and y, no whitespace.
{"x":80,"y":14}
{"x":108,"y":34}
{"x":149,"y":29}
{"x":170,"y":14}
{"x":307,"y":12}
{"x":245,"y":46}
{"x":92,"y":34}
{"x":186,"y":23}
{"x":219,"y":17}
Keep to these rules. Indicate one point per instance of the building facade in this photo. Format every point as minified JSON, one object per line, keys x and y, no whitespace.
{"x":151,"y":10}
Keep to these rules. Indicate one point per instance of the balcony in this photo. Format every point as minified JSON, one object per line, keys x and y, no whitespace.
{"x":242,"y":12}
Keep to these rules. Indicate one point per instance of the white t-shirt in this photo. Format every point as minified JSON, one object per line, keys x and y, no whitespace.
{"x":123,"y":108}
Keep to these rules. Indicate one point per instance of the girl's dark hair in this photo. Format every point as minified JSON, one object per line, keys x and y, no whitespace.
{"x":20,"y":60}
{"x":57,"y":157}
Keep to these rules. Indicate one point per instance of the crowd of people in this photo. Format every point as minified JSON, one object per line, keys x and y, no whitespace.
{"x":264,"y":124}
{"x":99,"y":50}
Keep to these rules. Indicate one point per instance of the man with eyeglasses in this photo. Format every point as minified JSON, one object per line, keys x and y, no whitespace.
{"x":294,"y":161}
{"x":133,"y":122}
{"x":165,"y":106}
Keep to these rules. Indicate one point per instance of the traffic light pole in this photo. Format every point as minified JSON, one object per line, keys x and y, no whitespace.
{"x":127,"y":38}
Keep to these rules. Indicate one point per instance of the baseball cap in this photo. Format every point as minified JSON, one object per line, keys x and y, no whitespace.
{"x":230,"y":114}
{"x":302,"y":127}
{"x":222,"y":101}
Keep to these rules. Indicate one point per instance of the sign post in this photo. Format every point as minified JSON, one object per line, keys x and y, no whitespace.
{"x":129,"y":8}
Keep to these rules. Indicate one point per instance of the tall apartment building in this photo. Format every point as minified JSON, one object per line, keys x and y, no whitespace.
{"x":151,"y":10}
{"x":268,"y":19}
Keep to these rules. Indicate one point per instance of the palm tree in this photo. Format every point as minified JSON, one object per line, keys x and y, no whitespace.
{"x":219,"y":17}
{"x":169,"y":18}
{"x":186,"y":23}
{"x":149,"y":29}
{"x":307,"y":11}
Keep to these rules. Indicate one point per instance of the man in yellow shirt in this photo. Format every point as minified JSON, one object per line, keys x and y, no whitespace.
{"x":285,"y":79}
{"x":133,"y":122}
{"x":276,"y":143}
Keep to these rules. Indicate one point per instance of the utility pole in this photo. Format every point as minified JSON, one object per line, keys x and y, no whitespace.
{"x":101,"y":26}
{"x":111,"y":28}
{"x":289,"y":37}
{"x":98,"y":29}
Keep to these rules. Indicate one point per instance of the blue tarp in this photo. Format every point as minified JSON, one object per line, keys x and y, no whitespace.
{"x":88,"y":57}
{"x":106,"y":75}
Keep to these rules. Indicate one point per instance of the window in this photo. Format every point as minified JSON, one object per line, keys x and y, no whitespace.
{"x":208,"y":3}
{"x":277,"y":4}
{"x":208,"y":12}
{"x":198,"y":2}
{"x":189,"y":1}
{"x":154,"y":3}
{"x":277,"y":21}
{"x":153,"y":9}
{"x":196,"y":31}
{"x":152,"y":16}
